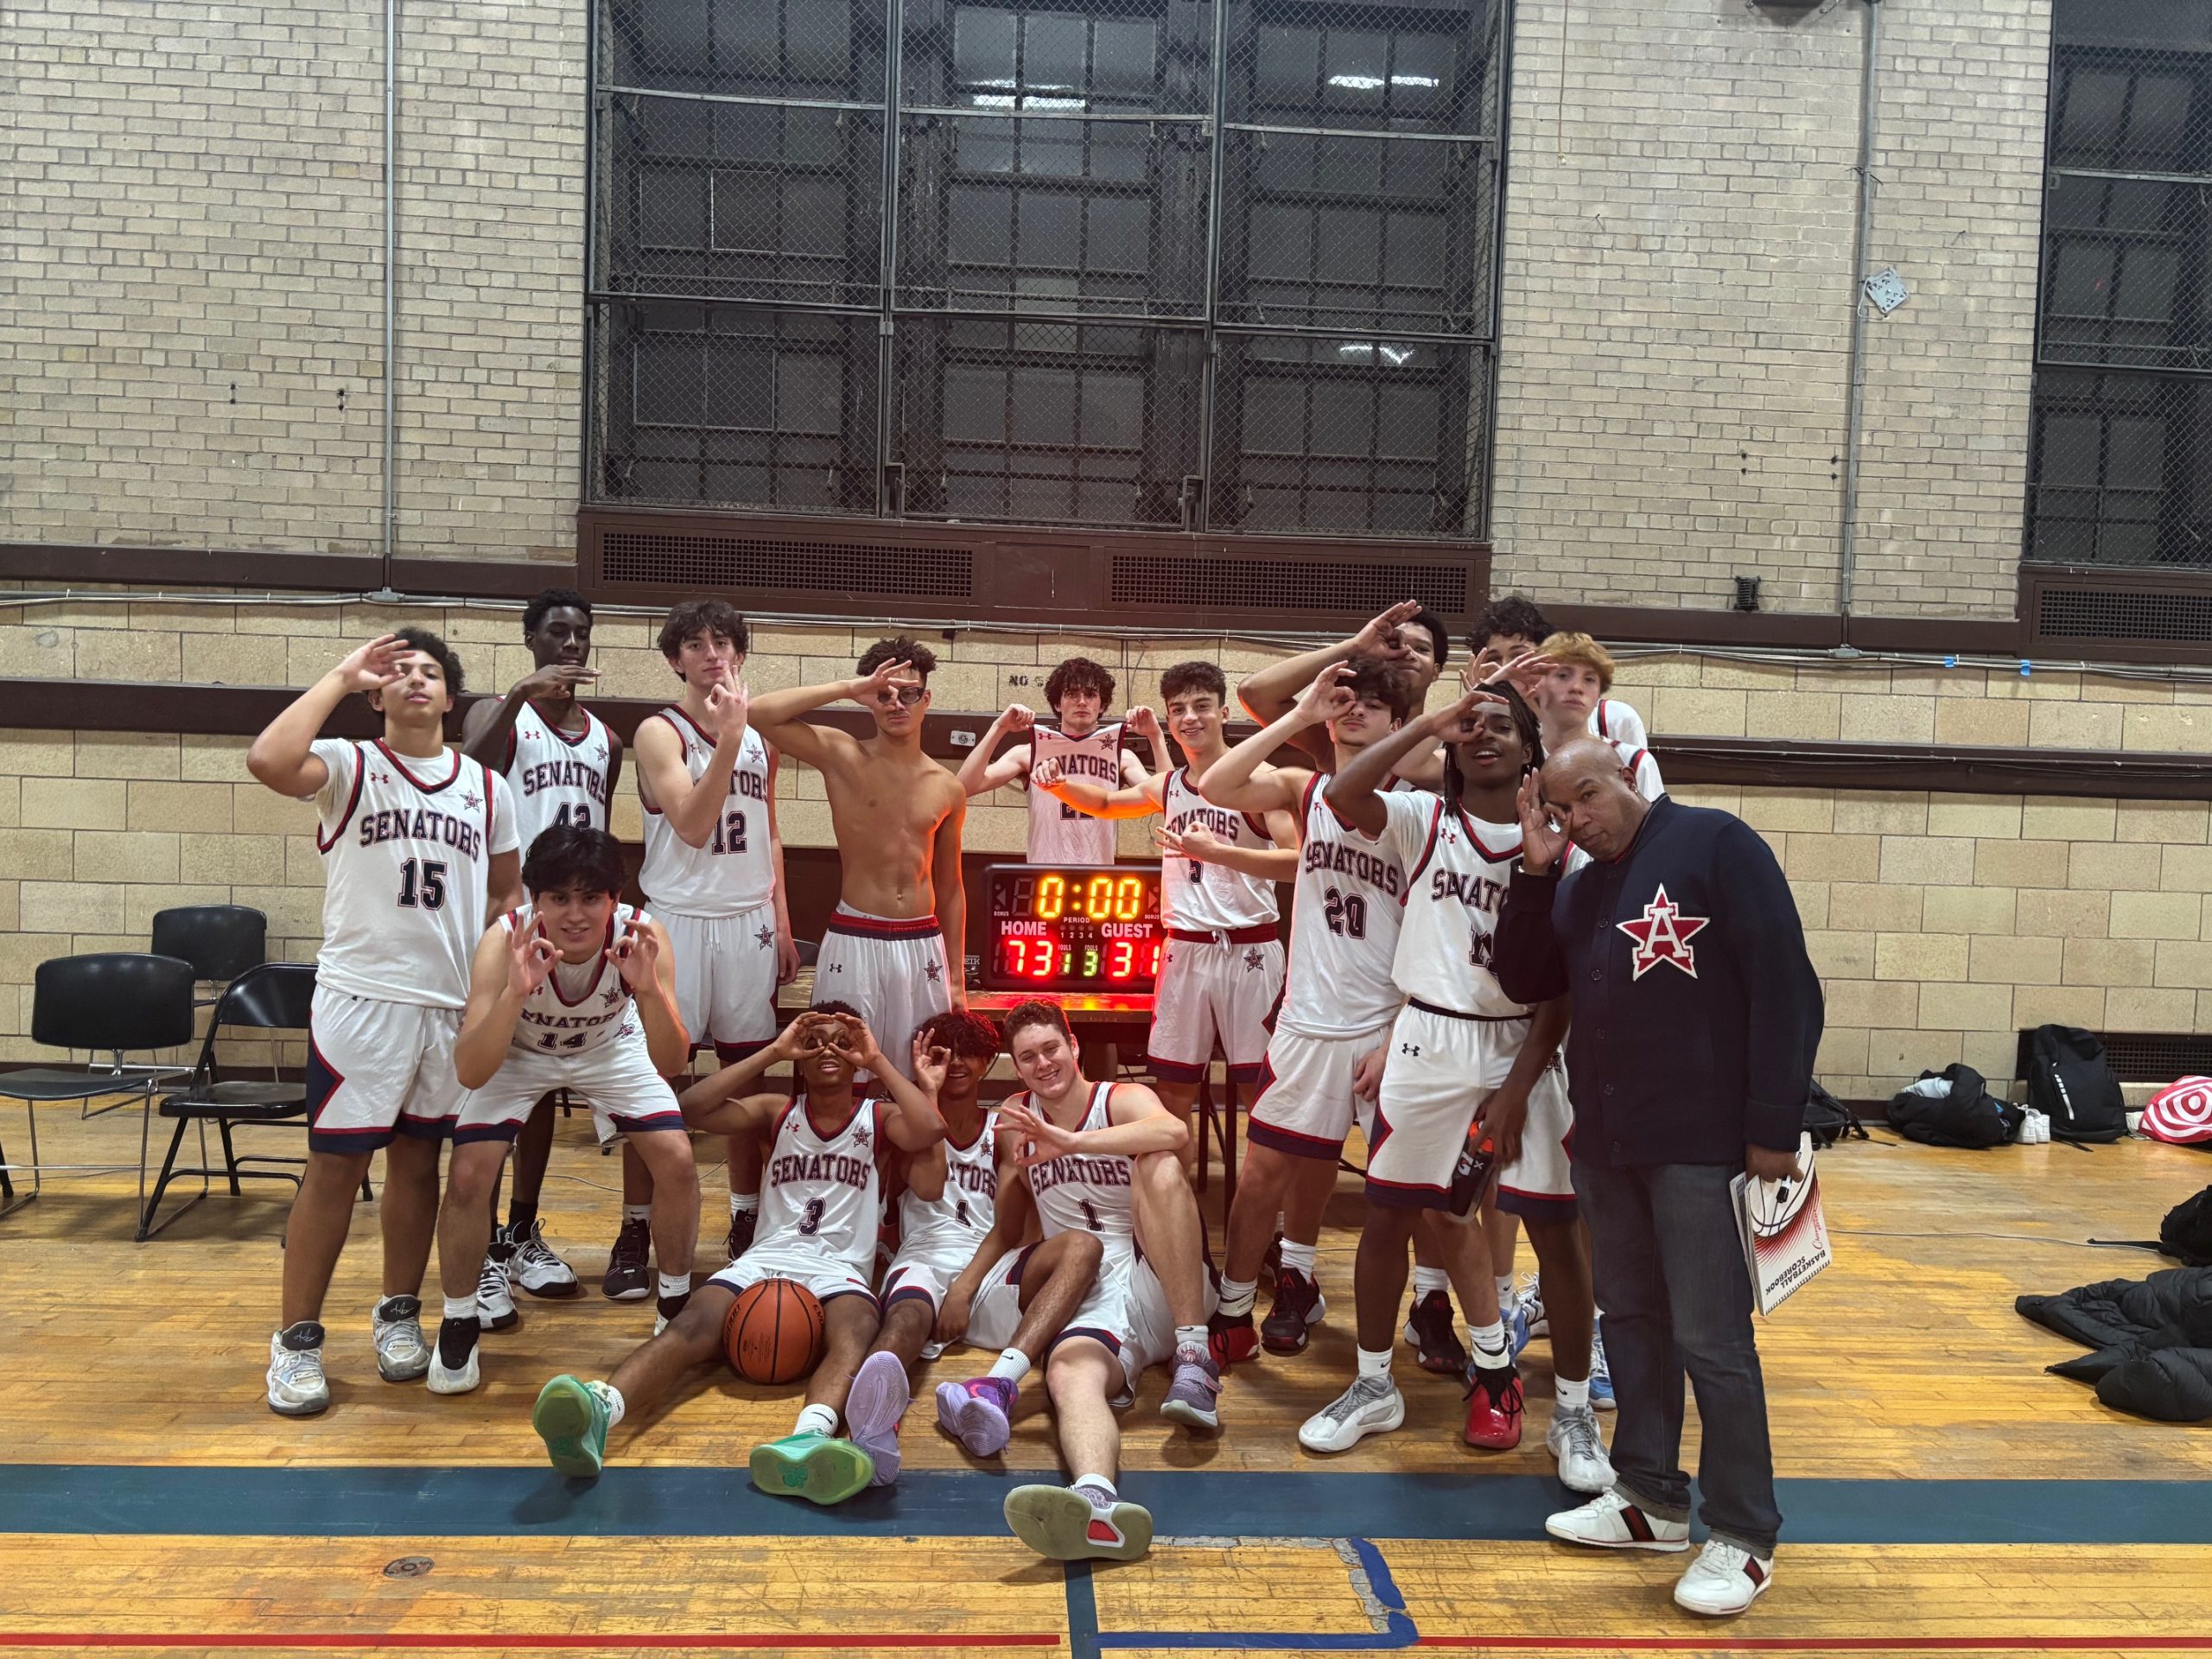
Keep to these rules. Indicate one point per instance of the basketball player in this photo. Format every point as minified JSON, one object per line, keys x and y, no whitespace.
{"x":562,"y":762}
{"x":1222,"y":973}
{"x":1102,"y":1158}
{"x":418,"y":843}
{"x":1338,"y":999}
{"x":828,"y":1151}
{"x":713,"y":874}
{"x":1407,"y":638}
{"x":1514,"y":627}
{"x":1079,"y":691}
{"x":574,"y":991}
{"x":1461,"y":1053}
{"x":946,"y":1246}
{"x":896,"y":946}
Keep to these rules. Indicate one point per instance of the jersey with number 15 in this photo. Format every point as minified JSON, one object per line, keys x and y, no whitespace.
{"x":733,"y":873}
{"x":407,"y":844}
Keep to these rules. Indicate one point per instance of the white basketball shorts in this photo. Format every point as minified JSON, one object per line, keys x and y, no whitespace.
{"x":1305,"y":1105}
{"x":1440,"y":1068}
{"x":376,"y":1069}
{"x":725,"y":978}
{"x":1210,"y":990}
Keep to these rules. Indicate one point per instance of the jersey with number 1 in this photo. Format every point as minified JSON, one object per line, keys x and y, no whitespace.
{"x":1203,"y":897}
{"x":1085,"y":1192}
{"x":557,"y":777}
{"x":1344,"y":911}
{"x":824,"y":1192}
{"x":733,"y":873}
{"x":407,"y":844}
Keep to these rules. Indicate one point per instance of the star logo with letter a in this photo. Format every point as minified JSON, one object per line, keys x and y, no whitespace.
{"x":1664,"y":935}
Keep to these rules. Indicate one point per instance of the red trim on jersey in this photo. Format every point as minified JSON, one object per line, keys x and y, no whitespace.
{"x":360,"y":771}
{"x":1602,"y":731}
{"x":1489,"y":857}
{"x":556,"y":730}
{"x":685,"y":717}
{"x":491,"y":809}
{"x":652,"y":811}
{"x":428,"y":789}
{"x":508,"y":765}
{"x":1259,"y":827}
{"x":983,"y":1127}
{"x":1428,"y":848}
{"x":860,"y":1103}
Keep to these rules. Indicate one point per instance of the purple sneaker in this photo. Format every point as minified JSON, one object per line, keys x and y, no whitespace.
{"x":1193,"y":1395}
{"x":873,"y":1408}
{"x":978,"y":1412}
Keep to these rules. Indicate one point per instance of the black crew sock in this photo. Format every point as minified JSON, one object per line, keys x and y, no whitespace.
{"x":456,"y":1341}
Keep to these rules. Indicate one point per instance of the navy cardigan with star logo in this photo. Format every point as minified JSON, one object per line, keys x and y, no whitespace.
{"x":1697,"y":1011}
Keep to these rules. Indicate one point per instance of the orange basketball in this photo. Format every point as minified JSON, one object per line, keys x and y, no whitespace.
{"x":773,"y":1331}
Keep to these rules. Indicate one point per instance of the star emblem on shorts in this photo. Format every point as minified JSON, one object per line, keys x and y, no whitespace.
{"x":1254,"y":961}
{"x":767,"y":936}
{"x":1663,"y":935}
{"x":933,"y":971}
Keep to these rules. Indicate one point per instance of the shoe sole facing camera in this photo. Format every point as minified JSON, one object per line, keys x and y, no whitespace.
{"x":980,"y":1426}
{"x":827,"y":1471}
{"x":873,"y":1405}
{"x":564,"y":1418}
{"x":1056,"y":1523}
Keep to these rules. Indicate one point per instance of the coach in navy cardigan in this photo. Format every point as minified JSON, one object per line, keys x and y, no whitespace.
{"x":1696,"y":1016}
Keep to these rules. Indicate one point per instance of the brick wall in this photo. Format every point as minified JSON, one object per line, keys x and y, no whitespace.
{"x":1678,"y":294}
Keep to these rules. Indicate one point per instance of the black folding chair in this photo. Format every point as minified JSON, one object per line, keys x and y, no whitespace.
{"x":116,"y":1003}
{"x":272,"y":996}
{"x":220,"y":941}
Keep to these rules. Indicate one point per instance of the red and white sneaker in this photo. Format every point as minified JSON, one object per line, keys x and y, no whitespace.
{"x":1610,"y":1521}
{"x":1078,"y":1523}
{"x":1493,"y":1408}
{"x":1298,"y":1306}
{"x":1231,"y":1338}
{"x":1725,"y":1578}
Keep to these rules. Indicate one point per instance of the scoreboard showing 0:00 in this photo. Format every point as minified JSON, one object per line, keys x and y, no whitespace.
{"x":1057,"y":929}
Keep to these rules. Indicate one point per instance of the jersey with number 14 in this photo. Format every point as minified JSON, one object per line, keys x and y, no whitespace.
{"x":1344,"y":913}
{"x":733,"y":873}
{"x":407,"y":844}
{"x":582,"y":1006}
{"x":823,"y":1191}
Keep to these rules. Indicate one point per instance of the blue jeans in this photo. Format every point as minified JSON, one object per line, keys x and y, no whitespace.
{"x":1670,"y":1277}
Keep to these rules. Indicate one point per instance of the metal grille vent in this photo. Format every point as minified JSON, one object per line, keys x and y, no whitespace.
{"x":756,"y":562}
{"x":2180,"y":616}
{"x":1152,"y":580}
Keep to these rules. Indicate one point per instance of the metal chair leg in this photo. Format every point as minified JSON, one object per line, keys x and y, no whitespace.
{"x":146,"y":1228}
{"x":229,"y":1155}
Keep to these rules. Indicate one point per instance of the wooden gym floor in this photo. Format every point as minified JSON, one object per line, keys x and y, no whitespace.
{"x":1942,"y":1493}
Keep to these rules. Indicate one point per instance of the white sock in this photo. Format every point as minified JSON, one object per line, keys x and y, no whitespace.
{"x":1426,"y":1279}
{"x":1190,"y":1336}
{"x":815,"y":1420}
{"x":1488,"y":1342}
{"x":461,"y":1307}
{"x":1238,"y":1295}
{"x":741,"y":1204}
{"x":1571,"y":1396}
{"x":1011,"y":1366}
{"x":1374,"y":1364}
{"x":1299,"y":1257}
{"x":637,"y":1213}
{"x":1505,"y":1290}
{"x":674,"y":1284}
{"x":1092,"y":1485}
{"x":613,"y":1397}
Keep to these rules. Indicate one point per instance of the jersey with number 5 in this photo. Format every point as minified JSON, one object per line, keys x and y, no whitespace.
{"x":1344,"y":913}
{"x":582,"y":1005}
{"x":823,"y":1191}
{"x":733,"y":873}
{"x":407,"y":844}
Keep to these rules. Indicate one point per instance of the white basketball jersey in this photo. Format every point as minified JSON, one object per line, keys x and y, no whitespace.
{"x":582,"y":1006}
{"x":733,"y":873}
{"x":1085,"y":1192}
{"x":1619,"y":722}
{"x":407,"y":848}
{"x":1206,"y":896}
{"x":556,"y":777}
{"x":952,"y":1227}
{"x":1457,"y":871}
{"x":823,"y":1191}
{"x":1344,"y":913}
{"x":1057,"y":833}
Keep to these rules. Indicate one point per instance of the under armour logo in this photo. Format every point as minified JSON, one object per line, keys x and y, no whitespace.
{"x":1663,"y":935}
{"x":380,"y":776}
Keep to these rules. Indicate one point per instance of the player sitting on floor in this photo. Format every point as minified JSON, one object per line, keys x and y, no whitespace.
{"x":822,"y":1189}
{"x":946,"y":1247}
{"x":574,"y":991}
{"x":1105,"y":1158}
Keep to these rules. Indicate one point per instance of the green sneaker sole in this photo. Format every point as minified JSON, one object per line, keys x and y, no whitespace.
{"x":573,"y":1426}
{"x":813,"y":1466}
{"x":1056,"y":1523}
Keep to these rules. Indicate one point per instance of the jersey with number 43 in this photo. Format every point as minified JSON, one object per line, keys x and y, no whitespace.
{"x":1457,"y":870}
{"x":1344,"y":911}
{"x":733,"y":873}
{"x":557,"y":777}
{"x":407,"y":844}
{"x":581,"y":1006}
{"x":824,"y":1192}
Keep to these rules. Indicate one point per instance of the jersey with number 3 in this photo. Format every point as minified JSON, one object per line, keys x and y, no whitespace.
{"x":407,"y":844}
{"x":1085,"y":1192}
{"x":733,"y":873}
{"x":557,"y":777}
{"x":1195,"y":895}
{"x":582,"y":1006}
{"x":823,"y":1191}
{"x":1457,"y":871}
{"x":1344,"y":913}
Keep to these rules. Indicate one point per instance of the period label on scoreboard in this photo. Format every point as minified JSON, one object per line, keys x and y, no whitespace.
{"x":1093,"y":928}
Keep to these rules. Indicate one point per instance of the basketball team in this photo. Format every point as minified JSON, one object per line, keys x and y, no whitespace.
{"x":479,"y":965}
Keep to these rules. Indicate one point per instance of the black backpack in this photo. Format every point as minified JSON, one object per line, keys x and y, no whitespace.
{"x":2186,"y":1233}
{"x":1968,"y":1117}
{"x":2069,"y":1082}
{"x":1827,"y":1120}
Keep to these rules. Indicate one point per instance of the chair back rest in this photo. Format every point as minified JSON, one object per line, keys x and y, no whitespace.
{"x":220,"y":941}
{"x":274,"y":996}
{"x":117,"y":1000}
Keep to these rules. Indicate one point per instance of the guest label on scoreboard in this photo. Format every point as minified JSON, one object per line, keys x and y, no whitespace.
{"x":1077,"y":928}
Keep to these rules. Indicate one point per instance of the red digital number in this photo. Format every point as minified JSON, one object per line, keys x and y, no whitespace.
{"x":1042,"y":968}
{"x":1152,"y":967}
{"x":1120,"y":958}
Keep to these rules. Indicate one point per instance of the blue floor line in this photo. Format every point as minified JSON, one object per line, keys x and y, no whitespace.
{"x":449,"y":1501}
{"x":1083,"y":1612}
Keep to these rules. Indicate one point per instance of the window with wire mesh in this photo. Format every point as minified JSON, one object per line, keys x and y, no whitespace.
{"x":1183,"y":263}
{"x":2122,"y":426}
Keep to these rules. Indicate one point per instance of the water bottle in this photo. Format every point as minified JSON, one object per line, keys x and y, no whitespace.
{"x":1470,"y":1175}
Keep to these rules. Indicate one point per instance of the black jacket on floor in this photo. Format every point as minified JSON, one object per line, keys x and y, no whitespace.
{"x":2153,"y":1341}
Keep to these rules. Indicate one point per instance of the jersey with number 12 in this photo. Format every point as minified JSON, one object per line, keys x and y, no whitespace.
{"x":407,"y":843}
{"x":733,"y":873}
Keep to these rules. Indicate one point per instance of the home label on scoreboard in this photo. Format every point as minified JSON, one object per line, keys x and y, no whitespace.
{"x":1081,"y":928}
